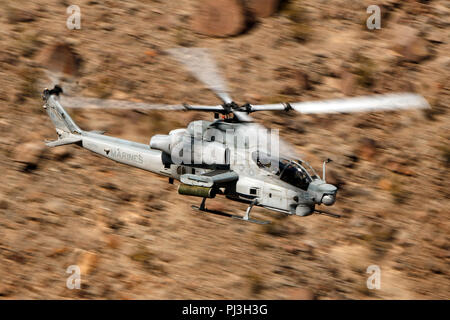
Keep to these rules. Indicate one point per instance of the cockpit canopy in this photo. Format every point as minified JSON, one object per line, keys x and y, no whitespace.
{"x":295,"y":172}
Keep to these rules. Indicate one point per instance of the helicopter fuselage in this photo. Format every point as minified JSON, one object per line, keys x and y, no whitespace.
{"x":253,"y":183}
{"x":211,"y":158}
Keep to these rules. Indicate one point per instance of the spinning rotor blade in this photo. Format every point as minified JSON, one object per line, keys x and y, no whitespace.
{"x":381,"y":102}
{"x":70,"y":100}
{"x":218,"y":108}
{"x":95,"y":103}
{"x":396,"y":101}
{"x":197,"y":60}
{"x":201,"y":65}
{"x":52,"y":78}
{"x":242,"y":116}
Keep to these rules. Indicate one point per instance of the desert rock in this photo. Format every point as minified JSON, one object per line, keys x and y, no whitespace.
{"x":262,"y":8}
{"x":219,"y":18}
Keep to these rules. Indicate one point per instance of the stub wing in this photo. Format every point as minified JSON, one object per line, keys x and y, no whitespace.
{"x":216,"y":178}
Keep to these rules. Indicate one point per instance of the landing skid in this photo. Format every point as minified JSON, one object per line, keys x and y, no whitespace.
{"x":325,"y":213}
{"x":245,"y":218}
{"x":251,"y":220}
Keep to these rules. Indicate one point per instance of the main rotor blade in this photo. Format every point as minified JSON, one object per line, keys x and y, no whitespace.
{"x":242,"y":116}
{"x":380,"y":102}
{"x":202,"y":65}
{"x":96,"y":103}
{"x":218,"y":108}
{"x":70,"y":100}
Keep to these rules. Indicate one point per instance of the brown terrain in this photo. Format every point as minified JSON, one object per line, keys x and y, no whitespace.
{"x":131,"y":233}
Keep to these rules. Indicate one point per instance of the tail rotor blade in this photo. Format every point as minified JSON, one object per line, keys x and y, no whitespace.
{"x":53,"y":78}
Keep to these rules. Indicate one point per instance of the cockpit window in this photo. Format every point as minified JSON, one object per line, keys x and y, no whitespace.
{"x":289,"y":171}
{"x":294,"y":174}
{"x":312,"y":173}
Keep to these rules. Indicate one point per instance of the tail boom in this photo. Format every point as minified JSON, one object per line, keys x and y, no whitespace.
{"x":127,"y":152}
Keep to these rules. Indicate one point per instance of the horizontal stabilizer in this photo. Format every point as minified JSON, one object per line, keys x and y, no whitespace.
{"x":97,"y":131}
{"x":63,"y":141}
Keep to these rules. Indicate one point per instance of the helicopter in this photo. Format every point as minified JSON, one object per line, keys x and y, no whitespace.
{"x":231,"y":155}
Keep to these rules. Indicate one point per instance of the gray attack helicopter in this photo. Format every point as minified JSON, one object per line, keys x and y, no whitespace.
{"x":232,"y":155}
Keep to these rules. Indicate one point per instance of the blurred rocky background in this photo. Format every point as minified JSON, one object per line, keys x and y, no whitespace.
{"x":130,"y":232}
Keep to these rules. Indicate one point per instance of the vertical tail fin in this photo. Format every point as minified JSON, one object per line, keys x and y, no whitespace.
{"x":61,"y":120}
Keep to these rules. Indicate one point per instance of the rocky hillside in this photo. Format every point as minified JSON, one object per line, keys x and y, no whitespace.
{"x":130,"y":232}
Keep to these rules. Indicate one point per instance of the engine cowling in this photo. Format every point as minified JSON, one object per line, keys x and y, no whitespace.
{"x":166,"y":142}
{"x":184,"y":149}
